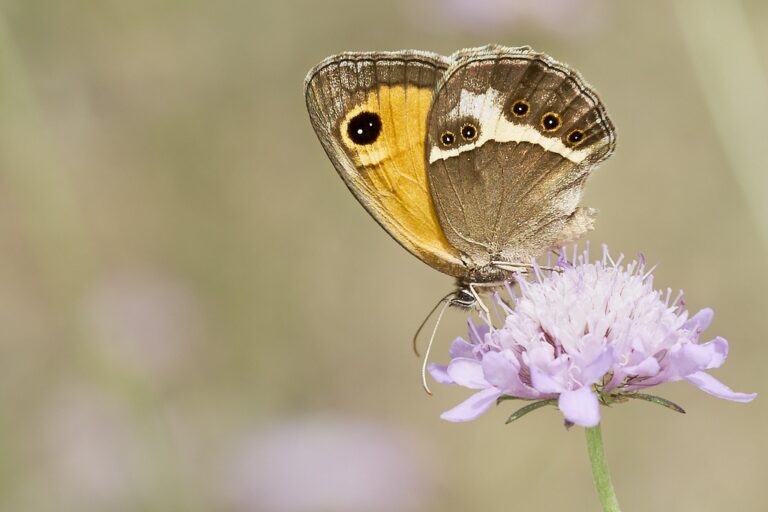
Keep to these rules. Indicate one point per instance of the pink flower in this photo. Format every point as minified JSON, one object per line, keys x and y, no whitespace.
{"x":597,"y":332}
{"x":327,"y":463}
{"x":93,"y":456}
{"x":150,"y":322}
{"x":565,"y":18}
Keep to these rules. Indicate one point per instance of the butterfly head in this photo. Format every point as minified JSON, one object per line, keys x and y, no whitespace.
{"x":463,"y":298}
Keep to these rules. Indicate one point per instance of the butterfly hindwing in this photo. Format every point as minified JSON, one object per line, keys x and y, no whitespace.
{"x":369,"y":111}
{"x":512,"y":136}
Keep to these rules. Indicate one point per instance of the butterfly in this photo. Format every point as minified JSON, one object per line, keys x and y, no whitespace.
{"x":475,"y":163}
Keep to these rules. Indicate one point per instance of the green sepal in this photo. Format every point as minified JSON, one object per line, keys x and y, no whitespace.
{"x":657,"y":400}
{"x":504,"y":398}
{"x":530,"y":408}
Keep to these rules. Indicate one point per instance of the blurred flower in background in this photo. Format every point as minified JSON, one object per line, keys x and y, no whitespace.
{"x":323,"y":464}
{"x":568,"y":18}
{"x":147,"y":321}
{"x":93,"y":457}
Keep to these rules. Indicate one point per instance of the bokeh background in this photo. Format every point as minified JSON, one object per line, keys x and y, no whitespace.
{"x":198,"y":316}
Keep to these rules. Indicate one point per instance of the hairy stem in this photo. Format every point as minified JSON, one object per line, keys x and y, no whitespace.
{"x":600,"y":470}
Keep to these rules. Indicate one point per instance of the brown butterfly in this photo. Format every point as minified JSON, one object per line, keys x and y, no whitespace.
{"x":475,"y":162}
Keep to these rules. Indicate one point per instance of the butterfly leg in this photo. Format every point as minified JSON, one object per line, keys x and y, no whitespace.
{"x":480,"y":304}
{"x":521,"y":267}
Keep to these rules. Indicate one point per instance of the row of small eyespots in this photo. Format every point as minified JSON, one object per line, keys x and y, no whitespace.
{"x":468,"y":133}
{"x":550,"y":121}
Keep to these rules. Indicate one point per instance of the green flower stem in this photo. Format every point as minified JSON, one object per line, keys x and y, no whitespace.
{"x":600,"y":470}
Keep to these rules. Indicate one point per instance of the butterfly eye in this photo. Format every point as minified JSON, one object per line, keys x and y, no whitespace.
{"x":575,"y":137}
{"x":469,"y":132}
{"x":447,"y":138}
{"x":550,"y":122}
{"x":364,"y":128}
{"x":520,"y":108}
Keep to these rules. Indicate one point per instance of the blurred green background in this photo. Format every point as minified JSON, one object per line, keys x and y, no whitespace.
{"x":198,"y":316}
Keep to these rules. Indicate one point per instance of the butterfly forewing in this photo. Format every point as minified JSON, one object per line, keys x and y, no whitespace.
{"x":369,"y":111}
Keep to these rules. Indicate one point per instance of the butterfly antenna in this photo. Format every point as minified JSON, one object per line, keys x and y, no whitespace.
{"x":424,"y":322}
{"x":429,"y":346}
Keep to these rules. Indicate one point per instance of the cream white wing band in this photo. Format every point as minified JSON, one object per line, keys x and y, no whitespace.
{"x":487,"y":109}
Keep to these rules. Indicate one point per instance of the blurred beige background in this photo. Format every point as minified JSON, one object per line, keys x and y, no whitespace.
{"x":198,"y":316}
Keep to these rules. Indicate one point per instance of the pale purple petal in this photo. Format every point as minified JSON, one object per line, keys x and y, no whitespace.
{"x":700,"y":321}
{"x":541,"y":354}
{"x":460,"y":348}
{"x":502,"y":370}
{"x":439,"y":372}
{"x":597,"y":368}
{"x":500,"y":367}
{"x":468,"y":373}
{"x":618,"y":377}
{"x":580,"y":406}
{"x":545,"y":383}
{"x":719,"y":347}
{"x":691,"y":358}
{"x":714,"y":387}
{"x":648,"y":367}
{"x":473,"y":406}
{"x":477,"y":332}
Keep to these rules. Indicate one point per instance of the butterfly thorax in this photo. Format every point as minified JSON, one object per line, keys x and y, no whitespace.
{"x":486,"y":274}
{"x":487,"y":280}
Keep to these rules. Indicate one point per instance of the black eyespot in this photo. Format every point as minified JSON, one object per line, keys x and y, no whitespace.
{"x":364,"y":128}
{"x":575,"y":137}
{"x":447,"y":138}
{"x":520,"y":108}
{"x":469,"y":132}
{"x":550,"y":122}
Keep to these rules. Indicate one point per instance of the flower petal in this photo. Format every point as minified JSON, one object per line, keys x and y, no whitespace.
{"x":597,"y":368}
{"x":460,"y":348}
{"x":719,"y":348}
{"x":439,"y":372}
{"x":502,"y":370}
{"x":477,"y":332}
{"x":648,"y":367}
{"x":473,"y":406}
{"x":498,"y":367}
{"x":700,"y":321}
{"x":714,"y":387}
{"x":544,"y":382}
{"x":468,"y":373}
{"x":580,"y":406}
{"x":692,"y":358}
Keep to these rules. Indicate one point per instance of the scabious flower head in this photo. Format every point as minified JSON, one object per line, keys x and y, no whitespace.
{"x":595,"y":332}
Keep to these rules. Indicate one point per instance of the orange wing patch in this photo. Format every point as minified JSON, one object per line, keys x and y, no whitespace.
{"x":392,"y":175}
